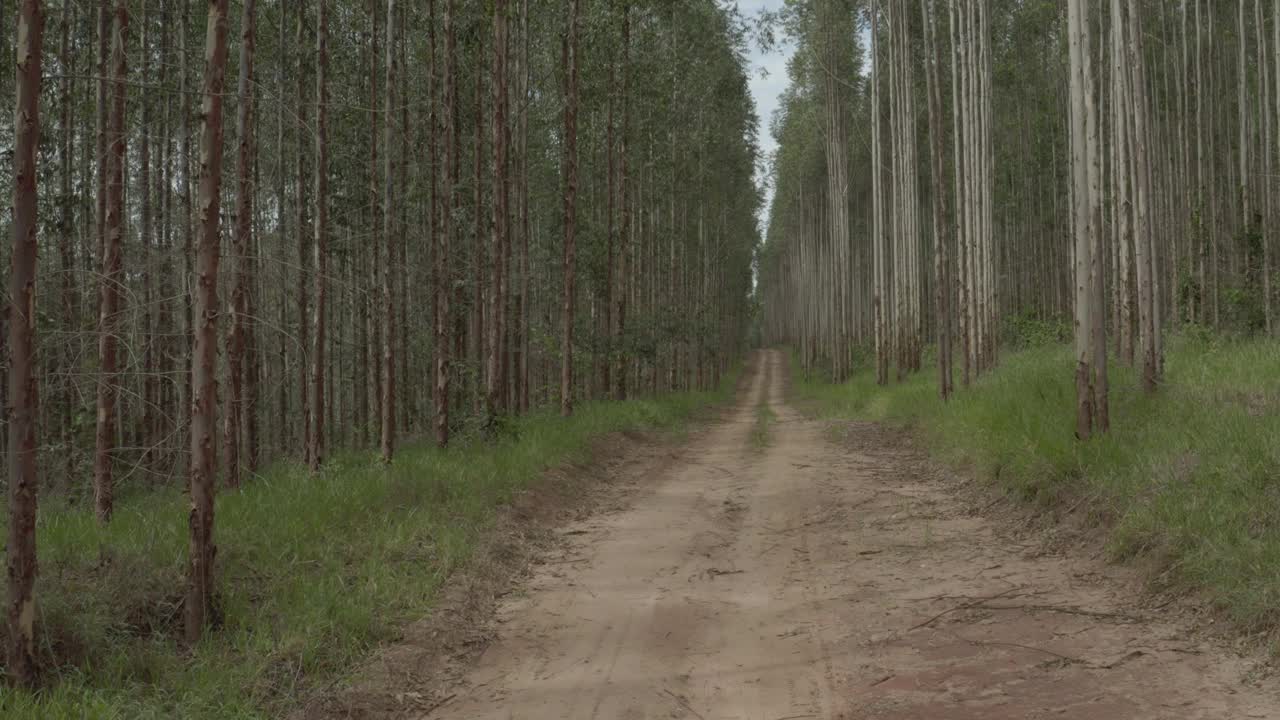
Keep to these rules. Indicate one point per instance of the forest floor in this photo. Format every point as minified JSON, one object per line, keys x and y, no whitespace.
{"x":780,"y":567}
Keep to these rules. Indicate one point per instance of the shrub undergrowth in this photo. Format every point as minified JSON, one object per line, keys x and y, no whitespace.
{"x":1188,"y":477}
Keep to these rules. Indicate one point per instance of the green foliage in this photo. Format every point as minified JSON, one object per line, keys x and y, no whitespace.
{"x":1189,"y":294}
{"x":1187,"y":477}
{"x":1029,"y":330}
{"x":1242,"y":309}
{"x":315,"y":572}
{"x":1242,"y":301}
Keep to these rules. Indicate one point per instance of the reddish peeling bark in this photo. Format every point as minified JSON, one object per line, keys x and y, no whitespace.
{"x":204,"y":383}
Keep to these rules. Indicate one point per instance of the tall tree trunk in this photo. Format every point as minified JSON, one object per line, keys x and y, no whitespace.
{"x":185,"y":344}
{"x":304,"y":237}
{"x":622,"y":277}
{"x":406,"y":279}
{"x":1078,"y":43}
{"x":1267,"y":292}
{"x":1242,"y":44}
{"x":1266,"y":122}
{"x":103,"y":107}
{"x":23,"y":409}
{"x":479,"y":242}
{"x":375,"y":304}
{"x":112,"y":276}
{"x":444,"y":243}
{"x":251,"y":450}
{"x":497,"y":281}
{"x":437,"y":255}
{"x":392,"y":231}
{"x":1098,"y":337}
{"x":282,"y":236}
{"x":941,"y":223}
{"x":959,"y":89}
{"x":320,"y":248}
{"x":879,"y":298}
{"x":570,"y":209}
{"x":204,"y":405}
{"x":231,"y":432}
{"x":602,"y":358}
{"x":1144,"y":245}
{"x":70,"y":296}
{"x":522,"y":369}
{"x":404,"y":406}
{"x":1122,"y":119}
{"x":144,"y":430}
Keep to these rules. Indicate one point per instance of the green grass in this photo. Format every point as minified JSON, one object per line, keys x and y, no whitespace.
{"x":1188,"y":478}
{"x":314,"y":572}
{"x":765,"y":417}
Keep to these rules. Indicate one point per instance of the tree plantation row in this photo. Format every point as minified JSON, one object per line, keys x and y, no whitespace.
{"x":1002,"y":164}
{"x":262,"y":231}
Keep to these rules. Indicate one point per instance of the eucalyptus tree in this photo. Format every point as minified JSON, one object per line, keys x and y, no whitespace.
{"x":111,"y":268}
{"x":236,"y":376}
{"x":446,"y":153}
{"x":391,"y":231}
{"x":320,"y":246}
{"x":1122,"y":151}
{"x":568,"y":293}
{"x":1149,"y":324}
{"x":906,"y":340}
{"x":1084,"y":198}
{"x":443,"y":276}
{"x":814,"y":200}
{"x":23,"y":380}
{"x":938,"y":191}
{"x":204,"y":405}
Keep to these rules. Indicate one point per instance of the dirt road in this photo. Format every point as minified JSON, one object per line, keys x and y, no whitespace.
{"x":819,"y":579}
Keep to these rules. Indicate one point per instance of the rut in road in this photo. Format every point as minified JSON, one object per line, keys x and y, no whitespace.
{"x":811,"y":579}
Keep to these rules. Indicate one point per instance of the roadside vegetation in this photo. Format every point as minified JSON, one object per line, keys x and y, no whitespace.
{"x":317,"y":570}
{"x":1188,"y":477}
{"x":760,"y":431}
{"x":278,"y":251}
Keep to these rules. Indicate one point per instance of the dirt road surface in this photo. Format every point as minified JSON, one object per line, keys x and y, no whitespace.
{"x":811,"y":578}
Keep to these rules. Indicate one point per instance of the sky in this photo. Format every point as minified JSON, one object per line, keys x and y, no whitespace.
{"x":768,"y":78}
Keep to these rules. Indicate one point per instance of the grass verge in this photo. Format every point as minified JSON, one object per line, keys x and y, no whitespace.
{"x":314,"y":572}
{"x":760,"y":431}
{"x":1188,"y":477}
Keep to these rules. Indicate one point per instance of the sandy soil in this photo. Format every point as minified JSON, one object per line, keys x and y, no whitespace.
{"x":822,"y":579}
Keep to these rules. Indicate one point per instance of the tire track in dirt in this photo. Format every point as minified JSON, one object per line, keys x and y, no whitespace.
{"x":816,"y":579}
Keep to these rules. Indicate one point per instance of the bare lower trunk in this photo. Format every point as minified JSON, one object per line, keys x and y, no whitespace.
{"x":1144,"y":246}
{"x":1081,"y":224}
